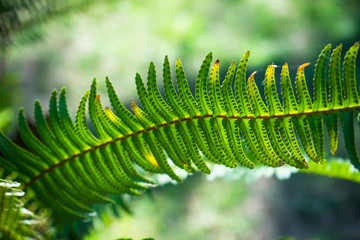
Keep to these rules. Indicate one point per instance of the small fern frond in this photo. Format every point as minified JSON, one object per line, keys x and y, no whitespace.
{"x":334,"y":168}
{"x":69,"y":167}
{"x":17,"y":222}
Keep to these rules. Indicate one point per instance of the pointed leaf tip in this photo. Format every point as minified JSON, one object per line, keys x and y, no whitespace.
{"x":303,"y":66}
{"x":272,"y":66}
{"x":62,"y":91}
{"x":253,"y":74}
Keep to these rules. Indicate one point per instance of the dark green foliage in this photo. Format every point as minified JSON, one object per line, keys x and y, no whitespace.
{"x":69,"y":167}
{"x":19,"y":15}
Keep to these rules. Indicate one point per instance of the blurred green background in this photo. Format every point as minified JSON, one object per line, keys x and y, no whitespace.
{"x":69,"y":43}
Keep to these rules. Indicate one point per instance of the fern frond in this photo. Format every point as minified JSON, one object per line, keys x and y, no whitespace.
{"x":16,"y":221}
{"x":69,"y":167}
{"x":335,"y":168}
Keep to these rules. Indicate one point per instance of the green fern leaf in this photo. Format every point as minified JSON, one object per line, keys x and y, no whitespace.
{"x":201,"y":92}
{"x":171,"y":96}
{"x":335,"y":168}
{"x":214,"y":91}
{"x":320,"y":98}
{"x":351,"y":97}
{"x":69,"y":167}
{"x":184,"y":91}
{"x":335,"y":98}
{"x":230,"y":104}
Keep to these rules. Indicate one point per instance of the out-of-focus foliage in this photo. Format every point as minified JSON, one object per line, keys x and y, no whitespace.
{"x":8,"y":93}
{"x":18,"y":222}
{"x":231,"y":208}
{"x":192,"y":213}
{"x":24,"y":15}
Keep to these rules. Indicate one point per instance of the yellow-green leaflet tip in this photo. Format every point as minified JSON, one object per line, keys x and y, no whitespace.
{"x":133,"y":104}
{"x":178,"y":62}
{"x":253,"y":74}
{"x":303,"y":66}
